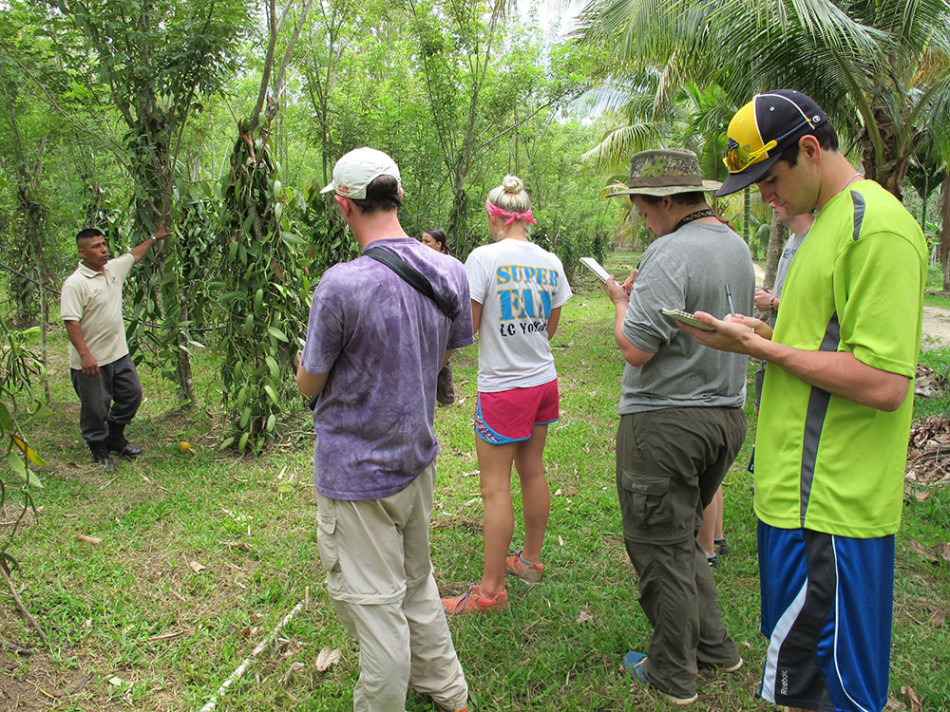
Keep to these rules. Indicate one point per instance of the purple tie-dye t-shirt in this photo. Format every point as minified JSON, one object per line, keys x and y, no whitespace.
{"x":382,"y":344}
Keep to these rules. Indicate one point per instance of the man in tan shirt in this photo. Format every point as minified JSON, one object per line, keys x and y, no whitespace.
{"x":101,"y":369}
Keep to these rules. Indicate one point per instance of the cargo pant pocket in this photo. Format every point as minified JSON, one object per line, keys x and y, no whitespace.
{"x":327,"y":538}
{"x":645,"y":504}
{"x":655,"y":508}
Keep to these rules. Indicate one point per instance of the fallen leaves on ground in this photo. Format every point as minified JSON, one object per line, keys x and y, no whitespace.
{"x":928,"y":457}
{"x":327,"y":658}
{"x":914,"y":701}
{"x":292,"y":671}
{"x":928,"y":383}
{"x":584,"y":617}
{"x":924,"y":553}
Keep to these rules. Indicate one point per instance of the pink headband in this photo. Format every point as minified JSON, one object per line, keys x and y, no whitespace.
{"x":510,"y":217}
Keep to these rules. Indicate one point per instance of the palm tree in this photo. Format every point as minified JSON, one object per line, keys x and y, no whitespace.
{"x":881,"y":70}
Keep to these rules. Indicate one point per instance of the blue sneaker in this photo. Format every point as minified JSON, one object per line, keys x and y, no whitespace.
{"x":633,"y":661}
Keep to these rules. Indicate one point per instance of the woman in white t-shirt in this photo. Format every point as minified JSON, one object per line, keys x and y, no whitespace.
{"x":517,"y":289}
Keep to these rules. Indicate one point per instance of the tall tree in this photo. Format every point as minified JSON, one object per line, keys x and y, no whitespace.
{"x":160,"y":59}
{"x":880,"y":69}
{"x":265,"y":285}
{"x":478,"y":91}
{"x":31,"y":140}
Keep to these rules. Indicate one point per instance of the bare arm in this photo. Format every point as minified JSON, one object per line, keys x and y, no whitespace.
{"x":310,"y":384}
{"x":142,"y":249}
{"x":634,"y":355}
{"x":837,"y":372}
{"x":476,"y":316}
{"x":90,"y":367}
{"x":554,"y":318}
{"x":765,"y":301}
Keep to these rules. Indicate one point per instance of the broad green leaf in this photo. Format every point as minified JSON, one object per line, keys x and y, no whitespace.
{"x":277,"y":334}
{"x":19,"y":467}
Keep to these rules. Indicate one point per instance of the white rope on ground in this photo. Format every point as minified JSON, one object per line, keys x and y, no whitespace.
{"x":236,"y":675}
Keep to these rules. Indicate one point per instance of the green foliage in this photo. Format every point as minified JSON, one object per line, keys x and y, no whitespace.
{"x":264,"y":294}
{"x":328,"y":240}
{"x":19,"y":366}
{"x":880,"y":70}
{"x":159,"y":60}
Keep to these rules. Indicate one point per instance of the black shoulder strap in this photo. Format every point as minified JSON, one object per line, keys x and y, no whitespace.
{"x":411,"y":276}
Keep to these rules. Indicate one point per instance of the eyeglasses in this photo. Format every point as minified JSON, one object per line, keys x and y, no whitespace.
{"x":741,"y":157}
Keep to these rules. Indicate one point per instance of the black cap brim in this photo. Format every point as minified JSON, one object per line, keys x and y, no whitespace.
{"x":754,"y":173}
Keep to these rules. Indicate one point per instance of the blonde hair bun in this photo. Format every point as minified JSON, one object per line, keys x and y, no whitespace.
{"x":512,"y":184}
{"x":511,"y":195}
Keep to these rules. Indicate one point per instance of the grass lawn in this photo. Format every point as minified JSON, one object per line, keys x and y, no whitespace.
{"x":186,"y":562}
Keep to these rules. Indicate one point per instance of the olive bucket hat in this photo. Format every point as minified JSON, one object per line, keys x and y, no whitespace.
{"x":664,"y":171}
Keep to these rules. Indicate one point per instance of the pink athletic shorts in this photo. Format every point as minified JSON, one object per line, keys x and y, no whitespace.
{"x":509,"y":416}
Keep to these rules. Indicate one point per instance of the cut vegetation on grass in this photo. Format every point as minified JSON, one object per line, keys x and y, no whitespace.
{"x":157,"y":584}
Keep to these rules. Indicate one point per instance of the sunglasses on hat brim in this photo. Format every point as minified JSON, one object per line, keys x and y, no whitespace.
{"x":741,"y":157}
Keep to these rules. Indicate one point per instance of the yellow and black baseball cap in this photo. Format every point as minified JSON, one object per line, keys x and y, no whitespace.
{"x":761,"y":130}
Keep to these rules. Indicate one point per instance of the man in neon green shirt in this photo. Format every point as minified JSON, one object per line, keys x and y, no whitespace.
{"x":836,"y":406}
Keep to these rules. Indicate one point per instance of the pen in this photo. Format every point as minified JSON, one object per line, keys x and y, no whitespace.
{"x":732,"y":310}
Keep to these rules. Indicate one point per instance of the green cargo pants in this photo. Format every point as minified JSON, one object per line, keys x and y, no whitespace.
{"x":669,"y":465}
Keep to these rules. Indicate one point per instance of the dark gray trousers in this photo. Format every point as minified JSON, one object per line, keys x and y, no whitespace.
{"x":445,"y":387}
{"x":669,"y":465}
{"x":114,"y":395}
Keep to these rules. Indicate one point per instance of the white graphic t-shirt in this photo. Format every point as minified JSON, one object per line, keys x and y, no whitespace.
{"x":518,"y":284}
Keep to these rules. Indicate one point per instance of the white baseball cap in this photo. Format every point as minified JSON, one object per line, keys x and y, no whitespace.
{"x":357,"y":169}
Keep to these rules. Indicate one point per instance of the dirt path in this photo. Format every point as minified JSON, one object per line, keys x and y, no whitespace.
{"x":936,"y":328}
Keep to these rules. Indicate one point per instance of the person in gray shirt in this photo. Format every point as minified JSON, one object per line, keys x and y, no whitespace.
{"x":682,"y":421}
{"x":768,"y":301}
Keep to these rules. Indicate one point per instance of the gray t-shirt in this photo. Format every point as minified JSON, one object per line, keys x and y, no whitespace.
{"x":382,"y":344}
{"x":784,"y":262}
{"x":781,"y":272}
{"x":689,"y":270}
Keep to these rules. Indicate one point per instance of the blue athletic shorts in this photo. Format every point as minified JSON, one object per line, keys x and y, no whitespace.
{"x":827,"y":602}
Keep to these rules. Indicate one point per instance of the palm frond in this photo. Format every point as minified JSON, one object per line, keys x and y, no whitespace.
{"x":620,"y":143}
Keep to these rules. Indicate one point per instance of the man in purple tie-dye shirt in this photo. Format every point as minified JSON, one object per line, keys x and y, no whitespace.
{"x":374,"y":349}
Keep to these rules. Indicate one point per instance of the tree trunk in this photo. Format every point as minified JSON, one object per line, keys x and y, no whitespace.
{"x":44,"y":330}
{"x":945,"y":230}
{"x":156,"y":185}
{"x":777,"y":235}
{"x":890,"y":170}
{"x":458,"y":220}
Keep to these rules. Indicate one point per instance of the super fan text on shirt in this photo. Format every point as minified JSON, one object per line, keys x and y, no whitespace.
{"x":525,"y":305}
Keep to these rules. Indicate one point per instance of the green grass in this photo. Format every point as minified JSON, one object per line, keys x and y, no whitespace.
{"x":132,"y":607}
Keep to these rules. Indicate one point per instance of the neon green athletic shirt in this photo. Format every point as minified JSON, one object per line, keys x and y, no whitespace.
{"x":823,"y":462}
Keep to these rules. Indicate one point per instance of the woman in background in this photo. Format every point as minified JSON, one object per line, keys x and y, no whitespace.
{"x":445,"y":387}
